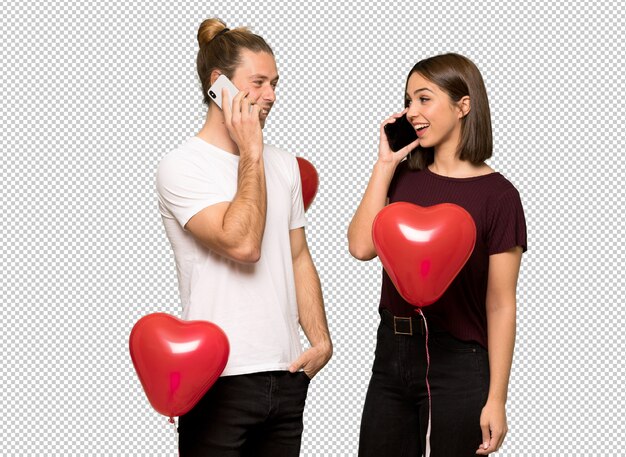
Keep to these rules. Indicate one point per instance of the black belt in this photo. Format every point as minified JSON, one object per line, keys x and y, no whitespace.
{"x":403,"y":325}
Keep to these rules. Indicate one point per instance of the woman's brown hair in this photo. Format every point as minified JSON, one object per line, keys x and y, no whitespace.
{"x":220,"y":49}
{"x":458,"y":76}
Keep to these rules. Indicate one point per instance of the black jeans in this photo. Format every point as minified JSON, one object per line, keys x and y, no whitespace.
{"x":258,"y":414}
{"x":395,"y":415}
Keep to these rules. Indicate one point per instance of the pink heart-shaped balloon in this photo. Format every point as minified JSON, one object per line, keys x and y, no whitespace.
{"x":423,"y":248}
{"x":177,"y":361}
{"x":310,"y":181}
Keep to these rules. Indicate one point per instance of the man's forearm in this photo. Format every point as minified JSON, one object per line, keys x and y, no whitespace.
{"x":246,"y":214}
{"x":311,"y":303}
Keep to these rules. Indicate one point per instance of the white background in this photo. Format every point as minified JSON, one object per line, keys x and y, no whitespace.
{"x":93,"y":95}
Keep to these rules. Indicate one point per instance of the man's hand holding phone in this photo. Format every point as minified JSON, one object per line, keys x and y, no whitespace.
{"x":242,"y":121}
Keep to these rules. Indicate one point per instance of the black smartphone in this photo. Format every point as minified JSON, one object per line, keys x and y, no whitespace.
{"x":400,"y":133}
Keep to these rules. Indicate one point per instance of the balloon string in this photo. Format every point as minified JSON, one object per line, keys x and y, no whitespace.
{"x":173,"y":422}
{"x":427,"y":454}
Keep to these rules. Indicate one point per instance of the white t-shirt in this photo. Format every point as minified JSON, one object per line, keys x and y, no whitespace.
{"x":255,"y":304}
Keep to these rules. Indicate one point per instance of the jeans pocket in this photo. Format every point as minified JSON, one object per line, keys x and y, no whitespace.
{"x":466,"y":362}
{"x":447,"y":342}
{"x":304,"y":376}
{"x":386,"y":353}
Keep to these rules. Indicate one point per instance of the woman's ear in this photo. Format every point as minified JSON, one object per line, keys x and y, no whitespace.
{"x":464,"y":106}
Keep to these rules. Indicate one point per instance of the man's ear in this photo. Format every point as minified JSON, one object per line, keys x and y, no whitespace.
{"x":214,"y":75}
{"x":464,"y":106}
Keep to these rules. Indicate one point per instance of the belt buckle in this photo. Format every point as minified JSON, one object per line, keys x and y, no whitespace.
{"x":395,"y":328}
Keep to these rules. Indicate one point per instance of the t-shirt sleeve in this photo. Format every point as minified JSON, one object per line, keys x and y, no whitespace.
{"x":507,"y":227}
{"x":184,"y":189}
{"x":297,"y":218}
{"x":402,"y":166}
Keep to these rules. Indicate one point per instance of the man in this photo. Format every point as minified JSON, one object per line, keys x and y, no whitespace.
{"x":233,"y":212}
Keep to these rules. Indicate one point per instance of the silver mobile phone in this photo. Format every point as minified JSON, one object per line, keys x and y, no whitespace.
{"x":215,"y":91}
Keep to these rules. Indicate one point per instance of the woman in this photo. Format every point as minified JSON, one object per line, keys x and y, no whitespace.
{"x":472,"y":326}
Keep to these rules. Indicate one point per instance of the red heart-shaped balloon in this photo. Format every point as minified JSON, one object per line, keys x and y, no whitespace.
{"x":177,"y":361}
{"x":423,"y":248}
{"x":310,"y":181}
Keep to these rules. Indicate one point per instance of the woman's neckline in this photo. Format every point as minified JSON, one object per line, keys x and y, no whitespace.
{"x":468,"y":178}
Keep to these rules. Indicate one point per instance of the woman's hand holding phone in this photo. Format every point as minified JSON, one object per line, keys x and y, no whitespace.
{"x":385,"y":152}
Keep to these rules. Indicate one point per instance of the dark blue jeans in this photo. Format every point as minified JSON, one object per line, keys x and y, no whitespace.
{"x":395,"y":415}
{"x":258,"y":414}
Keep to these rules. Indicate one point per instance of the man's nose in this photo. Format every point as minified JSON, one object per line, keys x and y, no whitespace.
{"x":269,"y":94}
